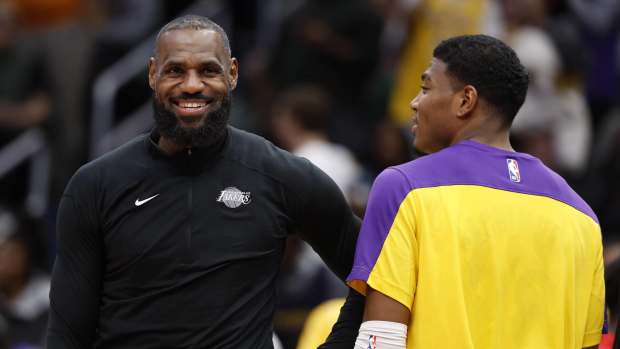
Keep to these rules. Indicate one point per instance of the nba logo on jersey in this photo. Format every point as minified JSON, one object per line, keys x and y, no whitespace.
{"x":372,"y":342}
{"x":513,"y":170}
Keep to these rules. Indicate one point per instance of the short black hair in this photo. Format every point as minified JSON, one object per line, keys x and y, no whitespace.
{"x":194,"y":22}
{"x":309,"y":106}
{"x":491,"y":67}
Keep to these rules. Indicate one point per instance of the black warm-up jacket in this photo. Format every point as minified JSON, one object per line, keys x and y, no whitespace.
{"x":183,"y":251}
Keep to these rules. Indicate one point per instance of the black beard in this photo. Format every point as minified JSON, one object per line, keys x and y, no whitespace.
{"x":209,"y":133}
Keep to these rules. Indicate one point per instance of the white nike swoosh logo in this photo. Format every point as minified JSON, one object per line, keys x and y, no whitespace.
{"x":142,"y":202}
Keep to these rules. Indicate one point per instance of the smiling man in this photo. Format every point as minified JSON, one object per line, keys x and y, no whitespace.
{"x":476,"y":245}
{"x":175,"y":239}
{"x":192,"y":76}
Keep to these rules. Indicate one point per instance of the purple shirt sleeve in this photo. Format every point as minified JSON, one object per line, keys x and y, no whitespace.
{"x":387,"y":193}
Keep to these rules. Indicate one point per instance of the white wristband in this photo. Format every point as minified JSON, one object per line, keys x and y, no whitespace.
{"x":382,"y":335}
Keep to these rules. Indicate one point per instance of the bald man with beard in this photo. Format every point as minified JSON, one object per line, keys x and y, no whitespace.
{"x":175,"y":239}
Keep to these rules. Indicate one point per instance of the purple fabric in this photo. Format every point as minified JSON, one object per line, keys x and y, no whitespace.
{"x":473,"y":163}
{"x":388,"y":192}
{"x":465,"y":163}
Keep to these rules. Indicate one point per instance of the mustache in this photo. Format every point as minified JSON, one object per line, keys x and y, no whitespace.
{"x":193,"y":96}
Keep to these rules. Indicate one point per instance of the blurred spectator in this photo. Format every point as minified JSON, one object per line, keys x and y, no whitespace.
{"x":125,"y":23}
{"x":603,"y":187}
{"x":599,"y":26}
{"x":37,"y":14}
{"x":63,"y":32}
{"x":391,"y":146}
{"x":300,"y":126}
{"x":431,"y":21}
{"x":25,"y":100}
{"x":611,"y":250}
{"x":129,"y":21}
{"x":554,"y":122}
{"x":300,"y":122}
{"x":24,"y":290}
{"x":333,"y":44}
{"x":533,"y":124}
{"x":330,"y":43}
{"x":575,"y":131}
{"x":256,"y":85}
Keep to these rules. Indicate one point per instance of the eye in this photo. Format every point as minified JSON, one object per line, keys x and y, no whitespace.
{"x":211,"y":71}
{"x":424,"y":89}
{"x":174,"y":70}
{"x":208,"y":71}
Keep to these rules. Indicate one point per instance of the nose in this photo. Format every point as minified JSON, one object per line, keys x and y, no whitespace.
{"x":192,"y":83}
{"x":414,"y":103}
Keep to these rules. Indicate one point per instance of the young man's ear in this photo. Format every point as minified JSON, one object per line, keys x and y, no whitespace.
{"x":468,"y":99}
{"x":233,"y":73}
{"x":152,"y":65}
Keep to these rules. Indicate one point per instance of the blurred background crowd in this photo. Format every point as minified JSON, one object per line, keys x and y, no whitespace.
{"x":327,"y":80}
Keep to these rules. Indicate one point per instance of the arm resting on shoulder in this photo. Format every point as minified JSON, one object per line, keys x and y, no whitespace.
{"x":325,"y":221}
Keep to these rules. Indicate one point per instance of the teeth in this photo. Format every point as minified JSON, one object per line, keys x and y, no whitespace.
{"x":191,"y":105}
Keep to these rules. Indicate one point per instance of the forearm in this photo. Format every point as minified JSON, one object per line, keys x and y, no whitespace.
{"x":382,"y":335}
{"x":384,"y":323}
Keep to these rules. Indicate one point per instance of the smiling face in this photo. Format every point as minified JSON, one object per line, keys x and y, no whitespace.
{"x":436,"y":108}
{"x":192,"y":76}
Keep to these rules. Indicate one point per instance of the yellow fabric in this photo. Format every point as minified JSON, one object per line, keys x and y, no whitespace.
{"x":474,"y":276}
{"x":433,"y":21}
{"x":319,"y":324}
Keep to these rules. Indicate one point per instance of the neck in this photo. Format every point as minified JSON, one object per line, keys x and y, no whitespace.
{"x":169,"y":147}
{"x":501,"y":141}
{"x":486,"y":131}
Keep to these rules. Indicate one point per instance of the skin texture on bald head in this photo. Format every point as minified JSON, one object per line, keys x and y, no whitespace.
{"x":196,"y":23}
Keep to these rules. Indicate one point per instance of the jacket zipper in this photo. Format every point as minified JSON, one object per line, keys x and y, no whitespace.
{"x":190,"y":198}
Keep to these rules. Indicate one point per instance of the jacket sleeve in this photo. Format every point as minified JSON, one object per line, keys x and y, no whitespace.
{"x":345,"y":330}
{"x":77,"y":274}
{"x":325,"y":221}
{"x":322,"y":218}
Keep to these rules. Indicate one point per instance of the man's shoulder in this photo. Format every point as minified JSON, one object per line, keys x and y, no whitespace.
{"x":125,"y":153}
{"x":558,"y":188}
{"x":257,"y":153}
{"x":474,"y":164}
{"x":250,"y":145}
{"x":430,"y":170}
{"x":111,"y":163}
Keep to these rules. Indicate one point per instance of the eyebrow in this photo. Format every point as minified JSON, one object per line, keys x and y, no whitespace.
{"x":425,"y":77}
{"x":181,"y":62}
